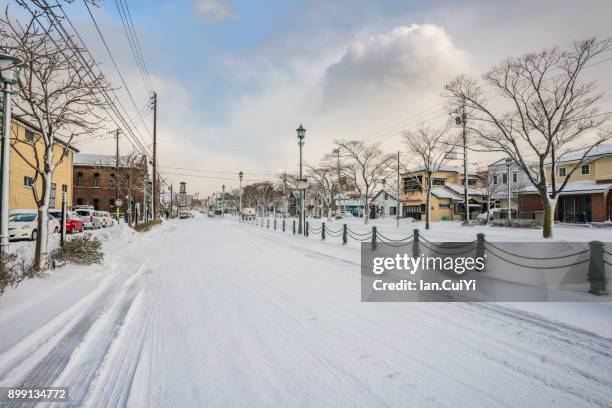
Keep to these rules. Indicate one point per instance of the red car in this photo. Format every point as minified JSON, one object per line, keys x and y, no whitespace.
{"x":73,"y":221}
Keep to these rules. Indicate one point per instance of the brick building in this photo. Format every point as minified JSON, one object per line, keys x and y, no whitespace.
{"x":98,"y":181}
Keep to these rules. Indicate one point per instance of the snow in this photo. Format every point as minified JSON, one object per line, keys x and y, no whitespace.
{"x":210,"y":312}
{"x":601,"y":150}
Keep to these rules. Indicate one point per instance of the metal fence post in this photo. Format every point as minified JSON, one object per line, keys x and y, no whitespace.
{"x":344,"y":235}
{"x":323,"y":231}
{"x":306,"y":229}
{"x":374,"y":238}
{"x":415,"y":243}
{"x":480,"y":247}
{"x":283,"y":225}
{"x":293,"y":227}
{"x":597,"y":275}
{"x":275,"y":224}
{"x":268,"y":223}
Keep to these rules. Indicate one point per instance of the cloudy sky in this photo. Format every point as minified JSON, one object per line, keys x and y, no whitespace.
{"x":236,"y":77}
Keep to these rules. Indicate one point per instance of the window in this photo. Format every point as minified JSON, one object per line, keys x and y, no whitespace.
{"x":438,"y":181}
{"x":515,"y":177}
{"x":505,"y":178}
{"x":111,"y":202}
{"x":392,"y":210}
{"x":79,"y":201}
{"x":444,"y":205}
{"x":28,"y":181}
{"x":112,"y":179}
{"x":471,"y":182}
{"x":562,"y":171}
{"x":96,"y":181}
{"x":29,"y":136}
{"x":585,"y":169}
{"x":96,"y":204}
{"x":64,"y":188}
{"x":495,"y":179}
{"x":412,"y":183}
{"x":80,"y":180}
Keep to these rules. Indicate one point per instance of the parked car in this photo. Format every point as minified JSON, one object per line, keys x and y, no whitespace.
{"x":23,"y":224}
{"x":103,"y":220}
{"x":55,"y":224}
{"x":91,"y":218}
{"x":108,"y":220}
{"x":74,"y":223}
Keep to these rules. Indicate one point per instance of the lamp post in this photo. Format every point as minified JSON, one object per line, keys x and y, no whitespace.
{"x":240,"y":205}
{"x":9,"y":72}
{"x":508,"y":164}
{"x":384,"y":183}
{"x":301,"y":132}
{"x":223,"y":201}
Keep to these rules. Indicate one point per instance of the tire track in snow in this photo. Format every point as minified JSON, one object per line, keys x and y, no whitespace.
{"x":48,"y":370}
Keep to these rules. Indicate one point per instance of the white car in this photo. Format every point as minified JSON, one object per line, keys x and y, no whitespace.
{"x":103,"y":219}
{"x":23,"y":224}
{"x":91,"y":218}
{"x":107,"y":219}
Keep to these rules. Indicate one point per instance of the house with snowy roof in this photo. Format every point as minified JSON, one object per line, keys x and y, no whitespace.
{"x":447,"y":194}
{"x":586,"y":196}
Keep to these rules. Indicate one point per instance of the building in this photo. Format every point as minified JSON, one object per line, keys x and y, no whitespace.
{"x":26,"y":145}
{"x":98,"y":181}
{"x":586,"y":197}
{"x":447,"y":202}
{"x":383,"y":205}
{"x":499,"y":177}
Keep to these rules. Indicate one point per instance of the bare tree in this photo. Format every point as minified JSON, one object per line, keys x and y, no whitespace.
{"x":366,"y":165}
{"x":548,"y":113}
{"x":325,"y":181}
{"x":431,"y":147}
{"x":490,"y":187}
{"x":56,"y":93}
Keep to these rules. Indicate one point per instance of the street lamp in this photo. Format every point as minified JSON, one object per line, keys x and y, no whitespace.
{"x":223,"y":201}
{"x":9,"y":73}
{"x":384,"y":183}
{"x":240,"y":206}
{"x":301,"y":133}
{"x":508,"y":164}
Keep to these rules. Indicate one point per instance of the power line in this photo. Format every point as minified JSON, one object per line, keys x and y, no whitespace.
{"x":220,"y":171}
{"x":127,"y":89}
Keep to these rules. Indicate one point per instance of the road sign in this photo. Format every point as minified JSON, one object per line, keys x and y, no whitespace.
{"x":118,"y":202}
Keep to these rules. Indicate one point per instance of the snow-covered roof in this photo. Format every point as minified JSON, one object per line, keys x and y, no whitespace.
{"x":83,"y":159}
{"x":389,"y":195}
{"x":459,"y":189}
{"x":601,"y":150}
{"x":575,"y":187}
{"x":450,"y":169}
{"x":441,"y":192}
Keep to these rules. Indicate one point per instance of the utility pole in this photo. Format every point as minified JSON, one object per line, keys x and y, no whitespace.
{"x":144,"y":200}
{"x":153,"y":192}
{"x":240,"y":209}
{"x":398,"y":206}
{"x":170,"y":212}
{"x":462,"y":120}
{"x":117,"y":171}
{"x":337,"y":151}
{"x":384,"y":183}
{"x":508,"y":164}
{"x":223,"y":202}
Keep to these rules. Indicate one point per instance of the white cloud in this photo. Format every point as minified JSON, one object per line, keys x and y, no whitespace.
{"x":414,"y":58}
{"x":215,"y":10}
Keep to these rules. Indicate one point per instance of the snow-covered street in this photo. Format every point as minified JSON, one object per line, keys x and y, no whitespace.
{"x":205,"y":312}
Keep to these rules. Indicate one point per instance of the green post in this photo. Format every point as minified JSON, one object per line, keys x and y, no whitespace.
{"x":283,"y":225}
{"x":597,"y":275}
{"x":374,"y":238}
{"x":306,"y":229}
{"x":415,"y":243}
{"x":323,"y":231}
{"x":480,"y":247}
{"x":344,"y":235}
{"x":293,"y":227}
